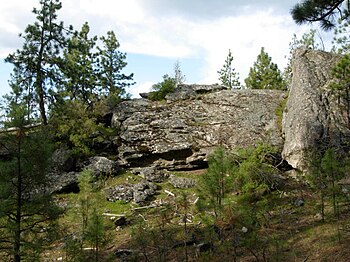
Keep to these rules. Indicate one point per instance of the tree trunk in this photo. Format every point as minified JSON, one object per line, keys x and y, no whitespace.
{"x":40,"y":78}
{"x":17,"y":240}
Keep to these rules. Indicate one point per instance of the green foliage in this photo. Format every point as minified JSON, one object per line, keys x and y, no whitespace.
{"x":27,"y":211}
{"x":279,"y":113}
{"x":264,"y":74}
{"x":76,"y":125}
{"x":214,"y":184}
{"x":168,"y":85}
{"x":237,"y":190}
{"x":79,"y":70}
{"x":38,"y":60}
{"x":341,"y":74}
{"x":228,"y":75}
{"x":51,"y":70}
{"x":249,"y":171}
{"x":324,"y":12}
{"x":325,"y":172}
{"x":256,"y":171}
{"x":341,"y":41}
{"x":163,"y":88}
{"x":89,"y":74}
{"x":307,"y":40}
{"x":111,"y":62}
{"x":90,"y":229}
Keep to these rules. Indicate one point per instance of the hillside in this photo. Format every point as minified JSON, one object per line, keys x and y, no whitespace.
{"x":162,"y":151}
{"x":209,"y":174}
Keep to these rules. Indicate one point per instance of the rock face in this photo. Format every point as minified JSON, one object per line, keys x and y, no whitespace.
{"x":178,"y":134}
{"x":312,"y":118}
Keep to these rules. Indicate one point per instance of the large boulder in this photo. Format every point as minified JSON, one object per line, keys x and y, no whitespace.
{"x":65,"y":172}
{"x":179,"y":134}
{"x":312,"y":119}
{"x":101,"y":166}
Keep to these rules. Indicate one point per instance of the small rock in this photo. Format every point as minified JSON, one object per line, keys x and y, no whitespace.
{"x":244,"y":229}
{"x":299,"y":202}
{"x":318,"y":217}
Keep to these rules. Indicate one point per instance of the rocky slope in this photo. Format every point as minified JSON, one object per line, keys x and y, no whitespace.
{"x":180,"y":132}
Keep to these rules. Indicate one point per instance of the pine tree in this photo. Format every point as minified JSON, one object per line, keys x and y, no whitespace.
{"x":111,"y":63}
{"x":341,"y":73}
{"x":228,"y":75}
{"x":215,"y":182}
{"x":325,"y":12}
{"x":38,"y":59}
{"x":180,"y":78}
{"x":264,"y":74}
{"x":27,"y":211}
{"x":90,"y":227}
{"x":79,"y":67}
{"x":341,"y":40}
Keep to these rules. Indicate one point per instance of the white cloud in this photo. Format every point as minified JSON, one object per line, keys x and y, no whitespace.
{"x":140,"y":88}
{"x":166,"y":28}
{"x":127,"y":11}
{"x":244,"y":35}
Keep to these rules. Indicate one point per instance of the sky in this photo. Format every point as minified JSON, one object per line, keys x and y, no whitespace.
{"x":156,"y":33}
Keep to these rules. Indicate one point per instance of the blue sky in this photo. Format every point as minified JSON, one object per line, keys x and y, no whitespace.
{"x":157,"y":33}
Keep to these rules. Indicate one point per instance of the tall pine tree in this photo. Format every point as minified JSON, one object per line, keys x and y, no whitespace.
{"x":111,"y":62}
{"x":27,"y":212}
{"x":264,"y":74}
{"x":38,"y":59}
{"x":79,"y":67}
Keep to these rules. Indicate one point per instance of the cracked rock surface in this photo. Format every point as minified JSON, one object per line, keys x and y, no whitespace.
{"x":178,"y":134}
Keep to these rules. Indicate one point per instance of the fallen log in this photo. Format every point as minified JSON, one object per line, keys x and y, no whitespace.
{"x":12,"y":129}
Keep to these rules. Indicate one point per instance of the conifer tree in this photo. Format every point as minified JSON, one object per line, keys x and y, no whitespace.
{"x":264,"y":74}
{"x":341,"y":40}
{"x":90,"y":227}
{"x":341,"y":73}
{"x":163,"y":88}
{"x":180,"y":78}
{"x":38,"y":59}
{"x":228,"y":75}
{"x":111,"y":62}
{"x":79,"y":67}
{"x":27,"y":211}
{"x":215,"y":182}
{"x":325,"y":12}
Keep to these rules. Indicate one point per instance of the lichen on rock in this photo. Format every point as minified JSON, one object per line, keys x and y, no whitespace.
{"x":178,"y":134}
